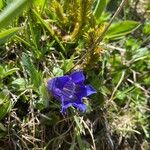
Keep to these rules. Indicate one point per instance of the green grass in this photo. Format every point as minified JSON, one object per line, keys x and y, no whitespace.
{"x":54,"y":38}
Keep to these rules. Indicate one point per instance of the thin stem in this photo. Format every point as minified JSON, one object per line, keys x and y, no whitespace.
{"x":117,"y":86}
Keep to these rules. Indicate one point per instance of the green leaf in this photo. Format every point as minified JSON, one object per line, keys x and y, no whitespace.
{"x":5,"y":104}
{"x":36,"y":77}
{"x":3,"y":131}
{"x":11,"y":11}
{"x":68,"y":64}
{"x":140,"y":53}
{"x":57,"y":72}
{"x":43,"y":102}
{"x":6,"y":34}
{"x":4,"y":72}
{"x":20,"y":84}
{"x":9,"y":72}
{"x":146,"y":29}
{"x":120,"y":29}
{"x":2,"y":128}
{"x":78,"y":123}
{"x":120,"y":96}
{"x":40,"y":4}
{"x":1,"y":4}
{"x":1,"y":71}
{"x":99,"y":8}
{"x":80,"y":142}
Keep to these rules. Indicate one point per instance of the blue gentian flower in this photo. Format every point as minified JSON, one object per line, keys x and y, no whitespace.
{"x":70,"y":90}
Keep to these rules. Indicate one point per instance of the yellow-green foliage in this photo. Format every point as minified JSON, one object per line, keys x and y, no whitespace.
{"x":58,"y":10}
{"x":83,"y":15}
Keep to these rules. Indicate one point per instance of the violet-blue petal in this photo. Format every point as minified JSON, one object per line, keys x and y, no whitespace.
{"x":57,"y":82}
{"x":68,"y":91}
{"x":65,"y":104}
{"x":77,"y":77}
{"x":61,"y":81}
{"x":90,"y":90}
{"x":77,"y":104}
{"x":56,"y":92}
{"x":55,"y":86}
{"x":51,"y":84}
{"x":65,"y":107}
{"x":81,"y":106}
{"x":69,"y":86}
{"x":85,"y":91}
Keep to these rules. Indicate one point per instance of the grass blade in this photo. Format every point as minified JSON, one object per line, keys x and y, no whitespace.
{"x":6,"y":34}
{"x":50,"y":31}
{"x":100,"y":6}
{"x":11,"y":11}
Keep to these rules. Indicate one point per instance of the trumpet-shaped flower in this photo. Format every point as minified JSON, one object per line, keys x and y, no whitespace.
{"x":70,"y":90}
